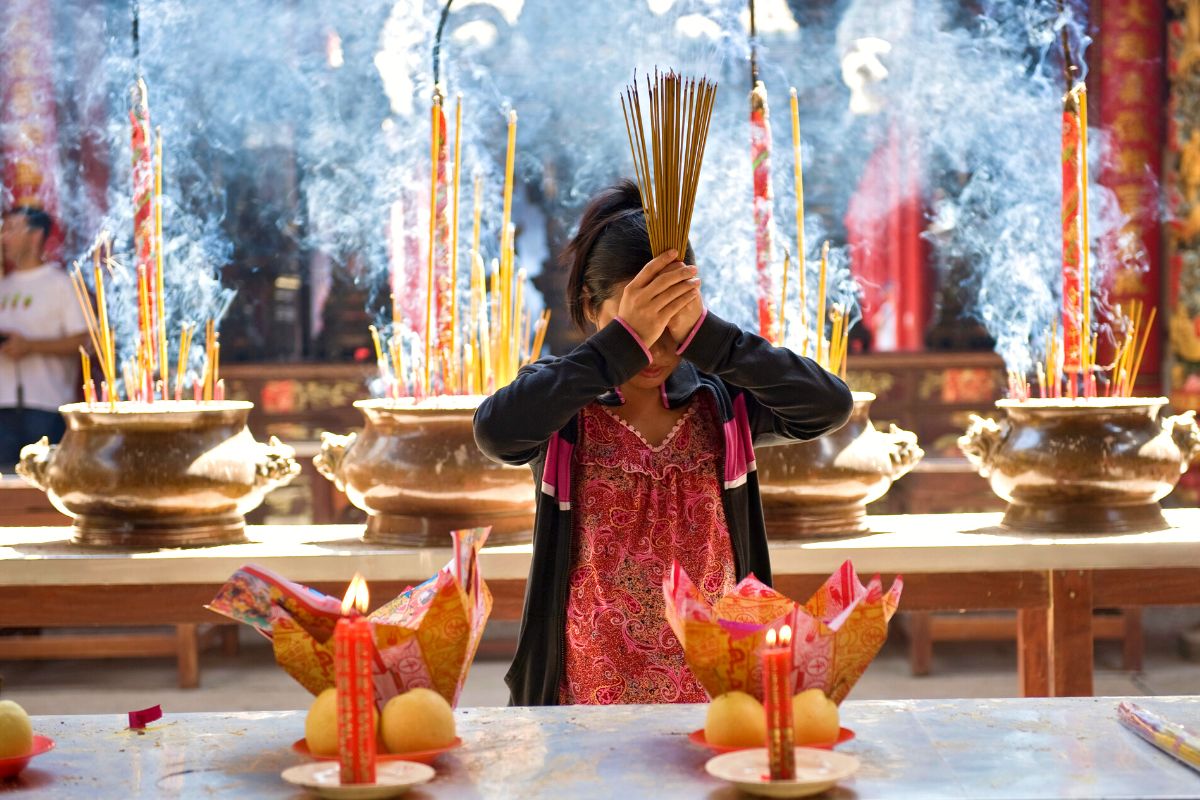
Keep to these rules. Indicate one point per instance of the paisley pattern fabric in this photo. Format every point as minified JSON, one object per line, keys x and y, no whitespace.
{"x":637,"y":509}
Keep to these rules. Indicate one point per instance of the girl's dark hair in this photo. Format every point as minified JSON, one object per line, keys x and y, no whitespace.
{"x":610,"y":248}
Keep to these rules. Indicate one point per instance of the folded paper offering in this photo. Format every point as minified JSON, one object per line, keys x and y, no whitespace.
{"x":426,"y":637}
{"x":836,"y":633}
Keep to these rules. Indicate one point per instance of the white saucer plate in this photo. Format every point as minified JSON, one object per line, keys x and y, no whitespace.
{"x":816,"y":771}
{"x":392,"y":778}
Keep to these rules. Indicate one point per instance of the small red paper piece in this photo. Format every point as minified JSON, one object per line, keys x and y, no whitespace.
{"x":140,"y":719}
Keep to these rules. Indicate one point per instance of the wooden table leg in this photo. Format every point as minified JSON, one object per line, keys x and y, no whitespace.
{"x":919,"y":626}
{"x":1132,"y":643}
{"x":188,"y":650}
{"x":1071,"y":652}
{"x":229,"y":640}
{"x":1033,"y":651}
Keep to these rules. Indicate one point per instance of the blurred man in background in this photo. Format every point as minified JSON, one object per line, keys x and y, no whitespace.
{"x":41,"y":331}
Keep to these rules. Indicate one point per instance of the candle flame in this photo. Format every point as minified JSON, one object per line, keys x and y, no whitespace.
{"x":357,"y":596}
{"x":785,"y":635}
{"x":771,"y":637}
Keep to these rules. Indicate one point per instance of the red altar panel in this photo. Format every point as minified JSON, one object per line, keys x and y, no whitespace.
{"x":884,"y":222}
{"x":1130,"y":50}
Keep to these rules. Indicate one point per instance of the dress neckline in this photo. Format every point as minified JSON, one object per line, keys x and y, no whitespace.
{"x":687,"y":414}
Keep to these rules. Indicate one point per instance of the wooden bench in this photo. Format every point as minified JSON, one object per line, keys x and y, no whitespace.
{"x":924,"y":629}
{"x":24,"y":505}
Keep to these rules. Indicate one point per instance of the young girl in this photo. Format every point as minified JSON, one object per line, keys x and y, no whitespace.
{"x":641,"y":442}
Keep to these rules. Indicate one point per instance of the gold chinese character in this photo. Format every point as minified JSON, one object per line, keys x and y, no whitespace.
{"x":1131,"y":46}
{"x":1132,"y":199}
{"x":1130,"y":126}
{"x":1132,"y":88}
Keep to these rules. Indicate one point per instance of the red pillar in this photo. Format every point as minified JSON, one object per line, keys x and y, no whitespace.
{"x":1132,"y":91}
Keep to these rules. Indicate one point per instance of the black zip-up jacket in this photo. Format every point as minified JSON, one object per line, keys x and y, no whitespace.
{"x":764,"y":395}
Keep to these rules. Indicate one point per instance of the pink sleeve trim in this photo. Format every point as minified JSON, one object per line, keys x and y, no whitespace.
{"x":692,"y":335}
{"x":636,"y":338}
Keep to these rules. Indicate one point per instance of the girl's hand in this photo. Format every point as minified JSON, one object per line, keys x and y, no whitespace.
{"x":656,"y":294}
{"x":680,"y":326}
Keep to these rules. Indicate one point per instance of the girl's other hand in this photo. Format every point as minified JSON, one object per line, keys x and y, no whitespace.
{"x":656,"y":294}
{"x":680,"y":325}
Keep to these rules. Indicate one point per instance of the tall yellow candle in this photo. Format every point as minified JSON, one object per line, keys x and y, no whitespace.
{"x":454,"y":229}
{"x":1085,"y":289}
{"x":435,"y":142}
{"x":160,"y":297}
{"x":515,"y":340}
{"x":798,"y":179}
{"x":787,"y":263}
{"x":820,"y":330}
{"x":506,"y":216}
{"x":478,"y":209}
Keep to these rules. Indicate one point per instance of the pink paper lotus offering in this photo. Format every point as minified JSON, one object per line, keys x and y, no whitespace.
{"x":426,"y":637}
{"x":836,"y":633}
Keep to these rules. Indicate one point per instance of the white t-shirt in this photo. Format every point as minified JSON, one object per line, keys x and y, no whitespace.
{"x":39,"y":304}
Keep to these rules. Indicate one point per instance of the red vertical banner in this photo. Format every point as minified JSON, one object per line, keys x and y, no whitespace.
{"x":1130,"y":54}
{"x":28,"y":130}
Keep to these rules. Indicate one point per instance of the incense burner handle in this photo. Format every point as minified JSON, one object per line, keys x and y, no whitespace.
{"x":277,"y":465}
{"x":35,"y":460}
{"x":902,"y":450}
{"x":333,"y":451}
{"x":979,"y":444}
{"x":1184,"y":431}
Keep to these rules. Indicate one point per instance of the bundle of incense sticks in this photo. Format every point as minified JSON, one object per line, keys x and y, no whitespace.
{"x":829,"y":348}
{"x":667,"y":163}
{"x":478,"y":351}
{"x":136,"y":373}
{"x":151,"y":356}
{"x":1118,"y":379}
{"x":1170,"y":737}
{"x":99,"y":331}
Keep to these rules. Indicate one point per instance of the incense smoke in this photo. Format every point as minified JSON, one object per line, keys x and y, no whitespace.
{"x":309,"y":124}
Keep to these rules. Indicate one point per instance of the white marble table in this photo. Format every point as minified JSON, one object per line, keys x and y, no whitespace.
{"x":949,"y":562}
{"x":976,"y":749}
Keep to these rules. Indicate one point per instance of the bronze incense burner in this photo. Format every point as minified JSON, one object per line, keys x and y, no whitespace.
{"x":171,"y":474}
{"x":821,"y":488}
{"x":416,"y":471}
{"x":1095,"y":465}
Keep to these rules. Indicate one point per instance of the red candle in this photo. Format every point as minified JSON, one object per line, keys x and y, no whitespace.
{"x":777,"y":701}
{"x":355,"y":694}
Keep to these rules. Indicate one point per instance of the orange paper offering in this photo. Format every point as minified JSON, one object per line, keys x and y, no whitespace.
{"x":426,"y":637}
{"x":836,"y":633}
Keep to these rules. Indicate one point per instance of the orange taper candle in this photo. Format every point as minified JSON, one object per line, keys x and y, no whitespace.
{"x":353,"y":652}
{"x":777,"y":701}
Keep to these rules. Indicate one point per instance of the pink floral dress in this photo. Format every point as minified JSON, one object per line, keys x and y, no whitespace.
{"x":636,"y":509}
